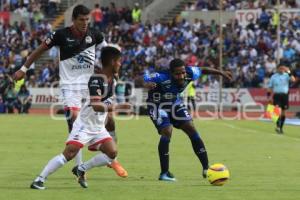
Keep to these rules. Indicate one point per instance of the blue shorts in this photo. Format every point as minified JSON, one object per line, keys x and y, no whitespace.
{"x":176,"y":115}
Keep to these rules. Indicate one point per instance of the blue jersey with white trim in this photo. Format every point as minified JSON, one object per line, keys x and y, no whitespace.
{"x":166,"y":89}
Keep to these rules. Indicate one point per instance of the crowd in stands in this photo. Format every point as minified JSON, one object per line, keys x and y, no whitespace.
{"x":28,"y":8}
{"x":232,"y":5}
{"x":249,"y":52}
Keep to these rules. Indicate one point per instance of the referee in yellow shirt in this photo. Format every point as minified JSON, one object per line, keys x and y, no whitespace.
{"x":279,"y":86}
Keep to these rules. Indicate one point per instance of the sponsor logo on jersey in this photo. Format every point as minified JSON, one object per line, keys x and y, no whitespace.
{"x":88,"y":39}
{"x":86,"y":66}
{"x":153,"y":75}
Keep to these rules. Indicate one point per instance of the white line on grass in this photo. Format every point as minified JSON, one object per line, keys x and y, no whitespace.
{"x":256,"y":131}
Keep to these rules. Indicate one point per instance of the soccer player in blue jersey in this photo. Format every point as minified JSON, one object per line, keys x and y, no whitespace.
{"x":166,"y":110}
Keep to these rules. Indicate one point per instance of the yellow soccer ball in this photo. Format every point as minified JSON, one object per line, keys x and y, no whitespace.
{"x":217,"y":174}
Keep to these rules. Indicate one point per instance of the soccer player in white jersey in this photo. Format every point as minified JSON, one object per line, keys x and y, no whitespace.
{"x":89,"y":127}
{"x":77,"y":45}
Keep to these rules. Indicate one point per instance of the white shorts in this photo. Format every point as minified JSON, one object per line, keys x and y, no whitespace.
{"x":81,"y":138}
{"x":73,"y":99}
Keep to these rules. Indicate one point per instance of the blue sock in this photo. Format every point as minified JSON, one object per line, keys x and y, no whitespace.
{"x":199,"y":149}
{"x":163,"y":150}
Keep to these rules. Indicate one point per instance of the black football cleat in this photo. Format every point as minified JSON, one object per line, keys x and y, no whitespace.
{"x":38,"y":185}
{"x":80,"y":176}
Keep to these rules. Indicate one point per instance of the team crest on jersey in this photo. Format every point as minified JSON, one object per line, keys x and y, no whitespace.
{"x":80,"y":59}
{"x":88,"y":39}
{"x":95,"y":82}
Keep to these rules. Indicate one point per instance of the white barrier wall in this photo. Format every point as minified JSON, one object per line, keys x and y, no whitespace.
{"x":48,"y":96}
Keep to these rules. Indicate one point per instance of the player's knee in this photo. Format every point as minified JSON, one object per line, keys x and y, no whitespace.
{"x":166,"y":132}
{"x":69,"y":155}
{"x":112,"y":154}
{"x":74,"y":116}
{"x":70,"y":152}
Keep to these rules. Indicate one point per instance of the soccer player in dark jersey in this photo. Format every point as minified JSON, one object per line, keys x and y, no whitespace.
{"x":89,"y":127}
{"x":166,"y":110}
{"x":77,"y":45}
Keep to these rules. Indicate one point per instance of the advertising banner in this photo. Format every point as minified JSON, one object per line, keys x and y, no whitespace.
{"x":245,"y":16}
{"x":48,"y":96}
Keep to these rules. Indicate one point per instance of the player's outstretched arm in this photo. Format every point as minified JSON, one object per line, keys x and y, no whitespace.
{"x":31,"y":58}
{"x":210,"y":70}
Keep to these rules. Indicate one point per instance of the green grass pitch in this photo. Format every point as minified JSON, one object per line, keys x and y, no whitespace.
{"x":263,"y":165}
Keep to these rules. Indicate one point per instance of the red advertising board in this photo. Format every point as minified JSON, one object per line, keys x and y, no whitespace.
{"x":259,"y":96}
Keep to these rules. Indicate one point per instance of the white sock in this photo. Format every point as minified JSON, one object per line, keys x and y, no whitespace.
{"x":78,"y":158}
{"x":113,"y":135}
{"x":96,"y":161}
{"x":53,"y":165}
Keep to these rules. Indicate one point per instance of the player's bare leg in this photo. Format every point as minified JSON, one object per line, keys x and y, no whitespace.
{"x":115,"y":165}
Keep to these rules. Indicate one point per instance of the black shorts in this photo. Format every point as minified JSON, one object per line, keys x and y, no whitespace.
{"x":281,"y":100}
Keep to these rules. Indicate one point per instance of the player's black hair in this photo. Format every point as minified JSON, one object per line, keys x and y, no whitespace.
{"x":80,"y":10}
{"x":175,"y":63}
{"x":108,"y":54}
